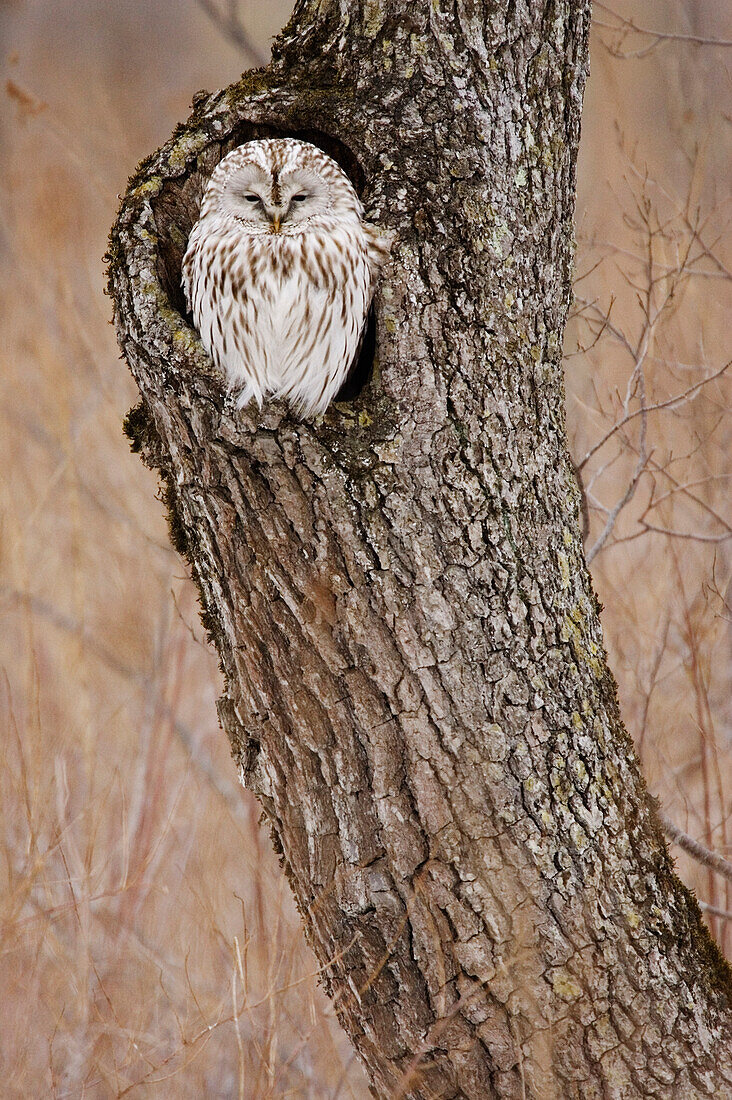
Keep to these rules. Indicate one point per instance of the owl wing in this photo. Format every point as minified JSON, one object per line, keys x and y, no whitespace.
{"x":326,"y":309}
{"x":378,"y":247}
{"x":226,"y":306}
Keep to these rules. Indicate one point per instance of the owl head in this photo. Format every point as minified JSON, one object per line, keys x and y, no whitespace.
{"x":280,"y":186}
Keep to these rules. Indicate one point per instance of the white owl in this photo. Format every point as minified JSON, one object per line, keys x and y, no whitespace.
{"x":280,"y":271}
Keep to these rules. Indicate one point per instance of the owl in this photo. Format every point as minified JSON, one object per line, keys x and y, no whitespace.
{"x":279,"y":273}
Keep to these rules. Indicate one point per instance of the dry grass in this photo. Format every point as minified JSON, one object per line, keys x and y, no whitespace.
{"x":148,"y":943}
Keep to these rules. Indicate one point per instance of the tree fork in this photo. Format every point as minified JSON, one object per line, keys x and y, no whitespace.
{"x":416,"y":686}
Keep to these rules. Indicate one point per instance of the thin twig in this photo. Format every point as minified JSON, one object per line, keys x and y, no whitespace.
{"x":714,"y":910}
{"x":230,"y":24}
{"x":652,"y":684}
{"x":624,"y":27}
{"x":693,"y":848}
{"x":670,"y":403}
{"x":691,"y":535}
{"x":625,"y":499}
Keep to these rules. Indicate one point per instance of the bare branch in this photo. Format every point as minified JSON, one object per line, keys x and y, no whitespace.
{"x":671,"y":403}
{"x":684,"y":534}
{"x":686,"y":491}
{"x":229,"y":22}
{"x":625,"y":499}
{"x":652,"y":684}
{"x":656,"y":292}
{"x":624,"y":27}
{"x":693,"y":848}
{"x":713,"y":910}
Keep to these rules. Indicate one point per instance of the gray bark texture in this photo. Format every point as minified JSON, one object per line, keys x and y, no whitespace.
{"x":416,"y":686}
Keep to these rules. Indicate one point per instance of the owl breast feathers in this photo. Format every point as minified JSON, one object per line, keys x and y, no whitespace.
{"x":280,"y":271}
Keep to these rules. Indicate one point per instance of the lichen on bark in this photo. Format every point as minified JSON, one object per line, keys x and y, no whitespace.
{"x":416,"y":686}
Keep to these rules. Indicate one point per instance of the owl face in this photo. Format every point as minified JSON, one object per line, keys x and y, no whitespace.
{"x":280,"y":186}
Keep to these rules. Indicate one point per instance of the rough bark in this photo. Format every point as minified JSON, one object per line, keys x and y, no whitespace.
{"x":416,"y":686}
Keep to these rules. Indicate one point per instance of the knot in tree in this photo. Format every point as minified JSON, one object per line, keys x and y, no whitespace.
{"x":415,"y":682}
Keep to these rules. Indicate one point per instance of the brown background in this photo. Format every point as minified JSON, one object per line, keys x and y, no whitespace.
{"x":139,"y":899}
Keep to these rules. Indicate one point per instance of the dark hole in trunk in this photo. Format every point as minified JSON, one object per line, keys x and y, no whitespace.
{"x":176,"y":212}
{"x":363,"y":364}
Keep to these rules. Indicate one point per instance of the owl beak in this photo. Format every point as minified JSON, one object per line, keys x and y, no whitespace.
{"x":276,"y":222}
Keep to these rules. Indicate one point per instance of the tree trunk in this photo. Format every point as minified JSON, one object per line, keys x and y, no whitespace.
{"x":416,"y":686}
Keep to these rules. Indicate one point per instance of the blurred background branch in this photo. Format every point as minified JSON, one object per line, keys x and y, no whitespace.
{"x":228,"y":18}
{"x":626,"y":28}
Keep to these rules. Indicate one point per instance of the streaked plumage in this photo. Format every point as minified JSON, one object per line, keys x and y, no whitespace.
{"x":279,"y":272}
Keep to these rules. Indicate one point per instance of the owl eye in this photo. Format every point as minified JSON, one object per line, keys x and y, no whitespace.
{"x":251,"y":198}
{"x":299,"y":198}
